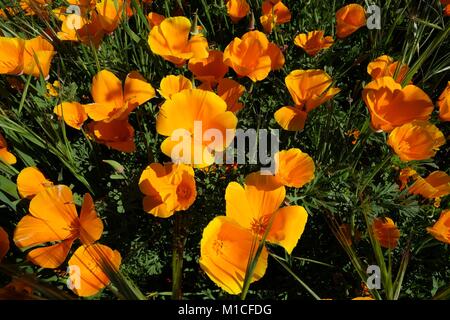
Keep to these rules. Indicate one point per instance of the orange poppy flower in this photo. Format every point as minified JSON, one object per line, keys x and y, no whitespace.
{"x":114,"y":103}
{"x":170,"y":39}
{"x":446,"y":4}
{"x":417,"y":140}
{"x":237,"y":9}
{"x":253,"y":56}
{"x":444,"y":104}
{"x":385,"y":232}
{"x":53,"y":218}
{"x":116,"y":134}
{"x":31,"y":181}
{"x":211,"y":69}
{"x":294,"y":168}
{"x":349,"y":19}
{"x":37,"y":57}
{"x":230,"y":91}
{"x":436,"y":185}
{"x":226,"y":245}
{"x":273,"y":14}
{"x":391,"y":106}
{"x":385,"y":66}
{"x":5,"y":155}
{"x":154,"y":19}
{"x":308,"y":89}
{"x":441,"y":229}
{"x":110,"y":13}
{"x":11,"y":55}
{"x":72,"y":113}
{"x":173,"y":84}
{"x":89,"y":266}
{"x":167,"y":188}
{"x":89,"y":30}
{"x":313,"y":42}
{"x":4,"y":243}
{"x":182,"y":112}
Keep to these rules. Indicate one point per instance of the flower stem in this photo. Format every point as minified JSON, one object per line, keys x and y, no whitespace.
{"x":179,"y":240}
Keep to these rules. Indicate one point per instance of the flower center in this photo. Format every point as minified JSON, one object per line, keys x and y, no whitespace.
{"x":260,"y":225}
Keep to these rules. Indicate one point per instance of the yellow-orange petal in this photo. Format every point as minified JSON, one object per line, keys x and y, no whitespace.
{"x":210,"y":69}
{"x":441,"y":229}
{"x":294,"y":168}
{"x":11,"y":55}
{"x":237,"y":9}
{"x":137,"y":90}
{"x":230,"y":91}
{"x":52,"y":256}
{"x":154,"y":19}
{"x":91,"y":226}
{"x":31,"y":181}
{"x":73,"y":114}
{"x":349,"y":19}
{"x":116,"y":134}
{"x":173,"y":84}
{"x":291,"y":118}
{"x":225,"y":250}
{"x":444,"y":103}
{"x":37,"y":57}
{"x":107,"y":89}
{"x":386,"y":232}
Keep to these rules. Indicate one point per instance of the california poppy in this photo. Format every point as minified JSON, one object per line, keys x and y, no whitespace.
{"x":173,"y":84}
{"x":441,"y":229}
{"x":178,"y":118}
{"x":309,"y":89}
{"x":237,"y":9}
{"x":37,"y":57}
{"x":4,"y":243}
{"x":273,"y":14}
{"x":5,"y":155}
{"x":53,"y":218}
{"x":170,"y":39}
{"x":385,"y":66}
{"x":72,"y":113}
{"x":110,"y":13}
{"x":230,"y":91}
{"x":116,"y":134}
{"x":154,"y":19}
{"x":391,"y":106}
{"x":114,"y":103}
{"x":436,"y":185}
{"x":349,"y":19}
{"x":385,"y":232}
{"x":417,"y":140}
{"x":89,"y":267}
{"x":211,"y":69}
{"x":82,"y":28}
{"x":167,"y":188}
{"x":294,"y":168}
{"x":31,"y":181}
{"x":11,"y":55}
{"x":253,"y":56}
{"x":313,"y":42}
{"x":444,"y":103}
{"x":251,"y":212}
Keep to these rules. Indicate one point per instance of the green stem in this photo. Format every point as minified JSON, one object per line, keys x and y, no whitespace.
{"x":179,"y":240}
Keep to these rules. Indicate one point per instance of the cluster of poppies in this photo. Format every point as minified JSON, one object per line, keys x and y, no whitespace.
{"x":255,"y":212}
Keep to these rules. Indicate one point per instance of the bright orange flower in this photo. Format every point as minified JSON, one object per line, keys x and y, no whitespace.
{"x":154,"y":19}
{"x":446,"y":4}
{"x":211,"y":69}
{"x":385,"y":232}
{"x":313,"y":42}
{"x":11,"y":55}
{"x":182,"y":117}
{"x":173,"y":84}
{"x":4,"y":243}
{"x":167,"y":188}
{"x":436,"y":185}
{"x":170,"y":39}
{"x":273,"y":14}
{"x":417,"y":140}
{"x":237,"y":9}
{"x":110,"y":13}
{"x":391,"y":106}
{"x":82,"y":28}
{"x":230,"y":91}
{"x":89,"y":266}
{"x":114,"y":103}
{"x":385,"y":66}
{"x":293,"y":168}
{"x":441,"y":229}
{"x":253,"y":56}
{"x":444,"y":104}
{"x":37,"y":57}
{"x":116,"y":134}
{"x":226,"y":244}
{"x":349,"y":19}
{"x":309,"y":89}
{"x":72,"y":113}
{"x":53,"y":218}
{"x":5,"y":155}
{"x":31,"y":181}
